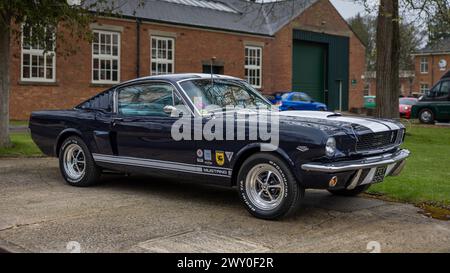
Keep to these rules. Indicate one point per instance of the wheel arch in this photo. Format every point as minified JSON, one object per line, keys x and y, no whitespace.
{"x":252,"y":149}
{"x":432,"y":108}
{"x":63,"y":136}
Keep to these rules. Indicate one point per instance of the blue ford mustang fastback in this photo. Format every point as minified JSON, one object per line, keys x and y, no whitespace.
{"x":135,"y":127}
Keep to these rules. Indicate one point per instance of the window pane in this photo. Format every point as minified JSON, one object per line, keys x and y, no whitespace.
{"x":49,"y":73}
{"x":26,"y":59}
{"x":115,"y":39}
{"x":145,"y":100}
{"x":34,"y":60}
{"x":41,"y":72}
{"x":26,"y":72}
{"x":49,"y":60}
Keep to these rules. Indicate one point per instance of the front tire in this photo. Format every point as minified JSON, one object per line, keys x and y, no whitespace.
{"x":426,"y":116}
{"x":268,"y":188}
{"x":76,"y":163}
{"x":357,"y":190}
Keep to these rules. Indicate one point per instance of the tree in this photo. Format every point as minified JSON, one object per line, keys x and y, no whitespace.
{"x":411,"y":40}
{"x":388,"y":47}
{"x":73,"y":16}
{"x":410,"y":37}
{"x":439,"y":24}
{"x":388,"y":56}
{"x":365,"y":29}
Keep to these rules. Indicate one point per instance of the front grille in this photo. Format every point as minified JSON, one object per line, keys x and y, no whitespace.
{"x":374,"y":141}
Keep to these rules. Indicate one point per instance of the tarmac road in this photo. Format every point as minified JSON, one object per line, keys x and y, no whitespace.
{"x":40,"y":213}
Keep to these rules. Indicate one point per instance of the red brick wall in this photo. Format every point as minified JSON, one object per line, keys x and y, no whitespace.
{"x":192,"y":46}
{"x":434,"y":73}
{"x":73,"y":73}
{"x":405,"y":87}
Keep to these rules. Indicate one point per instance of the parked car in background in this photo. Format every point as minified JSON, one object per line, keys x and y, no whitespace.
{"x":405,"y":105}
{"x":369,"y":102}
{"x":435,"y":104}
{"x":299,"y":101}
{"x":275,"y":99}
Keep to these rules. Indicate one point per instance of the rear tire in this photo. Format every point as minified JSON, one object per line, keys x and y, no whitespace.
{"x":426,"y":116}
{"x":268,"y":188}
{"x":76,"y":163}
{"x":354,"y":192}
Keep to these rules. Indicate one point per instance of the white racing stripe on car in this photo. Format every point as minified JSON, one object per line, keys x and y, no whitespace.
{"x":391,"y":125}
{"x":374,"y":125}
{"x":163,"y":165}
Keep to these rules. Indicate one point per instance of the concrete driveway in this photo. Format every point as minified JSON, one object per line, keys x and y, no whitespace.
{"x":40,"y":213}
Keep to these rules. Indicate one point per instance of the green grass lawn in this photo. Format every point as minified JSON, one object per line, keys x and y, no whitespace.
{"x":426,"y":177}
{"x":22,"y":145}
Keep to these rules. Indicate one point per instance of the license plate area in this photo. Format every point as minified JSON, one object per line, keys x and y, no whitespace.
{"x":379,"y":175}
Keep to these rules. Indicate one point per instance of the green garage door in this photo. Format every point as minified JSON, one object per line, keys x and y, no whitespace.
{"x":321,"y":67}
{"x":309,"y":66}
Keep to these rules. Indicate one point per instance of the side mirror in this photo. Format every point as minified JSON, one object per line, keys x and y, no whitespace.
{"x":171,"y":111}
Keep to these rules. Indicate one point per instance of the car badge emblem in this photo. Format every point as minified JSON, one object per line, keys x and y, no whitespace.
{"x":220,"y":158}
{"x":207,"y":154}
{"x":229,"y":155}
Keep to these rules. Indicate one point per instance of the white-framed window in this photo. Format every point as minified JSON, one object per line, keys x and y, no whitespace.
{"x":423,"y":65}
{"x":424,"y":88}
{"x":253,"y":65}
{"x":367,"y":89}
{"x":163,"y":55}
{"x":37,"y":63}
{"x":106,"y":57}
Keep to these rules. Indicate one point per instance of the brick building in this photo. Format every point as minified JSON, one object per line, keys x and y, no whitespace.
{"x":431,"y":63}
{"x":406,"y":80}
{"x":302,"y":45}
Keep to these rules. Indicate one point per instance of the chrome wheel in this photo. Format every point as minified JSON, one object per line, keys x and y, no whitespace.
{"x":264,"y":186}
{"x":74,"y":162}
{"x":426,"y":116}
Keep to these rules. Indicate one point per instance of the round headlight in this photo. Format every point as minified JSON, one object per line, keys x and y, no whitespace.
{"x":330,"y":148}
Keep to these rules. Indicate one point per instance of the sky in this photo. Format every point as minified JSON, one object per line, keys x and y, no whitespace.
{"x":348,"y":8}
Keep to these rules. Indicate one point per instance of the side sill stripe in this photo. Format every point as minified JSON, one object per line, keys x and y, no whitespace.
{"x":163,"y":165}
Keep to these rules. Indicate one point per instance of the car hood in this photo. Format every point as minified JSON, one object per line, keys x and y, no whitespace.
{"x":335,"y":123}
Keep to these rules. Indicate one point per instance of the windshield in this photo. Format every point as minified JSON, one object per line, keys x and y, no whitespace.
{"x":408,"y":101}
{"x":221,"y":94}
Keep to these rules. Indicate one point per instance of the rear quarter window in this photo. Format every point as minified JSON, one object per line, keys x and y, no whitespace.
{"x":101,"y":102}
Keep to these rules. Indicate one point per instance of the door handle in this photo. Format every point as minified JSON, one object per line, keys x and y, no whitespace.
{"x":115,"y":121}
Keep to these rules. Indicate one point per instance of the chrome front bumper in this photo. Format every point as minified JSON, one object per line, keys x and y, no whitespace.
{"x":366,"y":169}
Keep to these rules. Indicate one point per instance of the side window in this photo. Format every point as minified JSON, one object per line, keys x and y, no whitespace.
{"x":444,"y":90}
{"x":296,"y":97}
{"x":299,"y":97}
{"x":146,"y":99}
{"x":102,"y":101}
{"x":433,"y":92}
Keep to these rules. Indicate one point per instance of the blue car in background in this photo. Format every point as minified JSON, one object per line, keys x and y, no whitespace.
{"x":298,"y":101}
